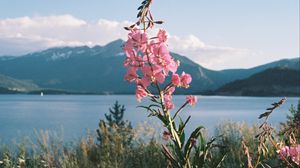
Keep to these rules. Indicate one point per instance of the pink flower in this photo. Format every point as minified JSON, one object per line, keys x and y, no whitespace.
{"x":162,"y":35}
{"x":169,"y":105}
{"x":128,"y":48}
{"x":139,"y":39}
{"x":161,"y":51}
{"x":172,"y":66}
{"x":153,"y":73}
{"x":192,"y":100}
{"x":170,"y":91}
{"x":131,"y":74}
{"x":160,"y":77}
{"x":168,"y":102}
{"x":176,"y":81}
{"x":186,"y":79}
{"x":149,"y":61}
{"x":145,"y":82}
{"x":293,"y":152}
{"x":284,"y":152}
{"x":140,"y":93}
{"x":183,"y":81}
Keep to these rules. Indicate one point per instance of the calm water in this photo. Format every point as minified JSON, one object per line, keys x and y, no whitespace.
{"x":74,"y":114}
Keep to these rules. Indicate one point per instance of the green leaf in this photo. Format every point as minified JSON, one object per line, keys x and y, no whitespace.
{"x":169,"y":156}
{"x":152,"y":111}
{"x":219,"y":161}
{"x":199,"y":157}
{"x":182,"y":126}
{"x":195,"y":134}
{"x":181,"y":133}
{"x":201,"y":142}
{"x":154,"y":100}
{"x":182,"y":137}
{"x":177,"y":153}
{"x":174,"y":134}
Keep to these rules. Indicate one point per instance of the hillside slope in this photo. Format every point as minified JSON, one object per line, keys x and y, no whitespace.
{"x":8,"y":83}
{"x":271,"y":82}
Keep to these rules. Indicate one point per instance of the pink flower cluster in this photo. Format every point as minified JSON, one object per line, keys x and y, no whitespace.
{"x":191,"y":100}
{"x":293,"y":152}
{"x":148,"y":61}
{"x":184,"y":80}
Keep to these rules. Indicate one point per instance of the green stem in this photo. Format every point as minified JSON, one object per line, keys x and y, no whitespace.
{"x":180,"y":109}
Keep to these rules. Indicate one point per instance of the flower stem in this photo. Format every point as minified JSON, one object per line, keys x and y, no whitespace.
{"x":180,"y":109}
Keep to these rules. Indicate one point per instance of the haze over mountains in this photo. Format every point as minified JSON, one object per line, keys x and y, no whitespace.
{"x":100,"y":70}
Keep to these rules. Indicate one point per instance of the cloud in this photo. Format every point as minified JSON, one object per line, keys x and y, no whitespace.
{"x":208,"y":55}
{"x":28,"y":34}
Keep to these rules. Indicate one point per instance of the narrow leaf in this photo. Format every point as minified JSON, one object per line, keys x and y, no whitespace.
{"x":195,"y":134}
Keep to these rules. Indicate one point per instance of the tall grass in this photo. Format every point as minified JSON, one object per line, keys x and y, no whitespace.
{"x":230,"y":139}
{"x":48,"y":149}
{"x":87,"y":152}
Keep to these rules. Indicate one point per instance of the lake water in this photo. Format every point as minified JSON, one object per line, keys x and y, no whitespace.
{"x":74,"y":114}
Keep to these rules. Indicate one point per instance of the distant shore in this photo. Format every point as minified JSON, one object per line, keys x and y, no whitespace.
{"x":55,"y":92}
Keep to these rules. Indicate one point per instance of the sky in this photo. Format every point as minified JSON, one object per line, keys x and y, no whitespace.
{"x":216,"y":34}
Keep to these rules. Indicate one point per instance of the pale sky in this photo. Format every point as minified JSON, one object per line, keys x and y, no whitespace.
{"x":216,"y":34}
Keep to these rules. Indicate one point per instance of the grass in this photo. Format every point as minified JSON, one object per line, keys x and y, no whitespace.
{"x":141,"y":147}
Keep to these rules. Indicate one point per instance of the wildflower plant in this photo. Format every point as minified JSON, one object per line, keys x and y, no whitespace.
{"x":288,"y":154}
{"x":149,"y":63}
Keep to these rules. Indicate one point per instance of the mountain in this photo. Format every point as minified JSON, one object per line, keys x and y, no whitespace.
{"x":205,"y":80}
{"x":8,"y":83}
{"x":271,"y":82}
{"x":80,"y":69}
{"x":7,"y":91}
{"x":243,"y":73}
{"x":100,"y":69}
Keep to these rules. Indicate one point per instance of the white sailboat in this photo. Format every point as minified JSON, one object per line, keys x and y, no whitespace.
{"x":42,"y":94}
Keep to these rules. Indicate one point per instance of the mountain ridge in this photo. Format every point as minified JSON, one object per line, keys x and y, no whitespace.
{"x":279,"y":81}
{"x":99,"y":69}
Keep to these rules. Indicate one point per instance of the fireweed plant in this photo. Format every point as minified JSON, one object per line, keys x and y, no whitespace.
{"x":148,"y":64}
{"x":287,"y":152}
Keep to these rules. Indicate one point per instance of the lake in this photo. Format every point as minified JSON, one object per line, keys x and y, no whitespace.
{"x":75,"y":114}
